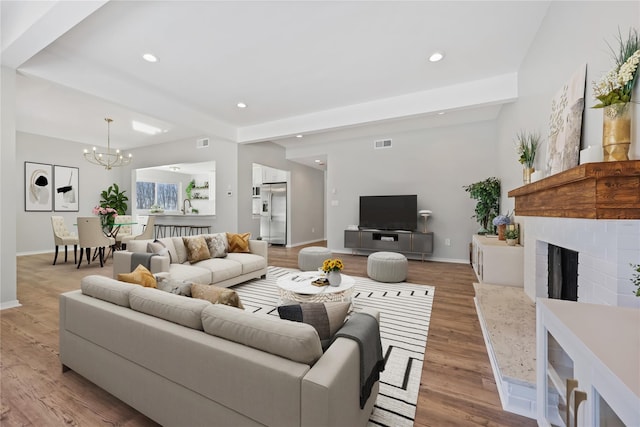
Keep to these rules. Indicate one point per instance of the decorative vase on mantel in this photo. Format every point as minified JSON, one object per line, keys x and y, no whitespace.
{"x":526,"y":174}
{"x":334,"y":278}
{"x":616,"y":131}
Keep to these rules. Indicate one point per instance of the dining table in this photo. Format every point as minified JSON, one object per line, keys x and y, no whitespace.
{"x":113,"y":232}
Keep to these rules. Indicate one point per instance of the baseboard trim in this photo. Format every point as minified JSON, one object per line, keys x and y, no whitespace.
{"x":411,"y":256}
{"x":10,"y":304}
{"x":293,"y":245}
{"x":38,"y":253}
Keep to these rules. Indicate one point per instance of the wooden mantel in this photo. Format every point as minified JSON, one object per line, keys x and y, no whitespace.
{"x":608,"y":190}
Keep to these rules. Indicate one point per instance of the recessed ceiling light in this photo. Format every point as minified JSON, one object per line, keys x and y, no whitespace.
{"x":145,"y":128}
{"x":441,"y":113}
{"x":174,"y":168}
{"x":299,"y":136}
{"x":318,"y":161}
{"x":241,"y":105}
{"x":436,"y":56}
{"x":149,"y":57}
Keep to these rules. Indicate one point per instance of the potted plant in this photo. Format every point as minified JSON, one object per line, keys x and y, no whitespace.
{"x":614,"y":91}
{"x":332,"y":268}
{"x":512,"y":235}
{"x":190,"y":187}
{"x":635,"y":278}
{"x":487,"y":194}
{"x":501,"y":222}
{"x":526,"y":146}
{"x":112,"y":197}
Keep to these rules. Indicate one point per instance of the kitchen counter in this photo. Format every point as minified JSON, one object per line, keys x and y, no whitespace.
{"x":180,"y":219}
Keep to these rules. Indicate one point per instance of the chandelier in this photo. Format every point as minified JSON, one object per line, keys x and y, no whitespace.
{"x":108,"y":159}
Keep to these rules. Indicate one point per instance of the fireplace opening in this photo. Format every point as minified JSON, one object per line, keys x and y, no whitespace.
{"x":563,"y":273}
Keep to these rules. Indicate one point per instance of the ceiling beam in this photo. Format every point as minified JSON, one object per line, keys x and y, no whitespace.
{"x":491,"y":91}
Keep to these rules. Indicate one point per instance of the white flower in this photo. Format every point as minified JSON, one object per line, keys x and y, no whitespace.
{"x":628,"y":69}
{"x":608,"y":83}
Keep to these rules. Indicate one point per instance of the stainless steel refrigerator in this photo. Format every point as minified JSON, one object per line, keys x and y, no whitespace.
{"x":273,"y":213}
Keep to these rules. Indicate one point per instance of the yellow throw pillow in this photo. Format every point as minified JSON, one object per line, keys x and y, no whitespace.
{"x":238,"y":242}
{"x":197,"y":249}
{"x":140,"y":276}
{"x":216,"y":295}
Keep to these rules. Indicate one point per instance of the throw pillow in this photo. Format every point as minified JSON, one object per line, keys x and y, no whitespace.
{"x":197,"y":249}
{"x":157,"y":247}
{"x":216,"y":295}
{"x":140,"y":276}
{"x":238,"y":242}
{"x":173,"y":286}
{"x":325,"y":317}
{"x":217,"y":245}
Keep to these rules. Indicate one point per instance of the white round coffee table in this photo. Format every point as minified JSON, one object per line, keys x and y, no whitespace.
{"x":298,"y":287}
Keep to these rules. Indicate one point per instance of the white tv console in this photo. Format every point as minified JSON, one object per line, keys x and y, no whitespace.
{"x":393,"y":241}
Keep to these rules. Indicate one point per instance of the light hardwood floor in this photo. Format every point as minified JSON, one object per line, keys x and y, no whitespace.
{"x":457,"y":386}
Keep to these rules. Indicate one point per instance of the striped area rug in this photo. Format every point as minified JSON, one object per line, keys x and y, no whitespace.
{"x":405,"y":310}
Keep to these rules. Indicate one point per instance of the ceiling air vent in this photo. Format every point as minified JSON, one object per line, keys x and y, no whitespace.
{"x":202,"y":143}
{"x":382,"y":143}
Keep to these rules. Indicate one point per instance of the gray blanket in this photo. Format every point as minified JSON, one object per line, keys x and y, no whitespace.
{"x":364,"y":329}
{"x":143,"y":258}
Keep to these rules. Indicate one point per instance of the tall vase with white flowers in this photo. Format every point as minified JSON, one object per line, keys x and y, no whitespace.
{"x":613,"y":91}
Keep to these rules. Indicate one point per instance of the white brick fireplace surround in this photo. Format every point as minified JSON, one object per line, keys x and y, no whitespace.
{"x":606,"y":248}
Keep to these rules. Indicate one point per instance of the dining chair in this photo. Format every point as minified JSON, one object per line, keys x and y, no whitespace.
{"x":90,"y":235}
{"x":62,"y":236}
{"x":147,"y":233}
{"x":124,"y":230}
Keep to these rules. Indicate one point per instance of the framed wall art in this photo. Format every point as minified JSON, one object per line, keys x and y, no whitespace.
{"x":38,"y":184}
{"x":565,"y":127}
{"x":65,"y":180}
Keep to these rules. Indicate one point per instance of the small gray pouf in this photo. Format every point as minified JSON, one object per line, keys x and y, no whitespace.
{"x":311,"y":258}
{"x":387,"y":267}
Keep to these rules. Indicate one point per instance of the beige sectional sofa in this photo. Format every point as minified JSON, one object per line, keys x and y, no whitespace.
{"x":187,"y":362}
{"x":227,"y":271}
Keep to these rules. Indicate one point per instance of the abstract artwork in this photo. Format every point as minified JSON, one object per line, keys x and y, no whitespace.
{"x":565,"y":127}
{"x":37,"y":187}
{"x":65,"y":179}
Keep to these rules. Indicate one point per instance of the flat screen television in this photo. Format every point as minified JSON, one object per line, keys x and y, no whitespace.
{"x":389,"y":212}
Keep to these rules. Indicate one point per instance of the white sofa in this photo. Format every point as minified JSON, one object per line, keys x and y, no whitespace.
{"x":187,"y":362}
{"x":224,"y":272}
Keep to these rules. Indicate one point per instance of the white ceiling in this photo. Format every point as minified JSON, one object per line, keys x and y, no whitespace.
{"x":303,"y":67}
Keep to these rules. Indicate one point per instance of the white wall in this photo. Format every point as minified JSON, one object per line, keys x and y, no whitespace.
{"x":435,"y":164}
{"x":572,"y":34}
{"x":9,"y":194}
{"x":33,"y":229}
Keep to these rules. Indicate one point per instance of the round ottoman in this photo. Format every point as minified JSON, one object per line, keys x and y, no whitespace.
{"x":388,"y":267}
{"x":311,"y":258}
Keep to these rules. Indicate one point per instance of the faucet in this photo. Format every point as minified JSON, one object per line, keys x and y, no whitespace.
{"x":184,"y":206}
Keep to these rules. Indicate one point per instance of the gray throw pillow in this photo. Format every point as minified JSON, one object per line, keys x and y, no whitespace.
{"x":157,"y":247}
{"x":325,"y":317}
{"x":178,"y":287}
{"x":217,"y":245}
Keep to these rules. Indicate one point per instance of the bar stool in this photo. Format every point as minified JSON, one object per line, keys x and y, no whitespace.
{"x":199,"y":229}
{"x":161,"y":230}
{"x":177,"y":230}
